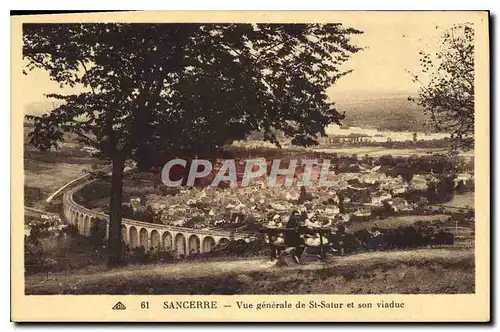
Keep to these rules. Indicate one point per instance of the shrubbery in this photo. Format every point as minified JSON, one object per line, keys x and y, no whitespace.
{"x":421,"y":234}
{"x":36,"y":258}
{"x":32,"y":195}
{"x":140,"y":255}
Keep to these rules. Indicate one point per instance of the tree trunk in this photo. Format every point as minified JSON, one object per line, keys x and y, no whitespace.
{"x":115,"y":215}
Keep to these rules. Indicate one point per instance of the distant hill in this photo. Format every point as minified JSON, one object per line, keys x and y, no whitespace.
{"x":38,"y":108}
{"x":393,"y":113}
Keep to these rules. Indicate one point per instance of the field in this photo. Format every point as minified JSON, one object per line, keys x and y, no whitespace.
{"x":44,"y":173}
{"x":381,"y":151}
{"x":51,"y":176}
{"x":411,"y":272}
{"x":460,"y":201}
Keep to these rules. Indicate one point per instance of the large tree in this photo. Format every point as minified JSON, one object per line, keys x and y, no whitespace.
{"x":184,"y":88}
{"x":447,"y":91}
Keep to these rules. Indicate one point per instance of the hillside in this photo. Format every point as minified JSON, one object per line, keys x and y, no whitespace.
{"x":38,"y":108}
{"x":424,"y":271}
{"x":390,"y":113}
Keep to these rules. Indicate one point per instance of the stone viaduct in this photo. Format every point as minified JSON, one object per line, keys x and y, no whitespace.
{"x":182,"y":240}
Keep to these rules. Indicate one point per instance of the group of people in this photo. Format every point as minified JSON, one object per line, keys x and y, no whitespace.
{"x":300,"y":231}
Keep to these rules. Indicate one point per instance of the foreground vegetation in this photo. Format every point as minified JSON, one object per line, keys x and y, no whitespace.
{"x":415,"y":272}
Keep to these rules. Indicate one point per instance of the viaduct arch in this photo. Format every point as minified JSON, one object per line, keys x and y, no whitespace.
{"x":184,"y":241}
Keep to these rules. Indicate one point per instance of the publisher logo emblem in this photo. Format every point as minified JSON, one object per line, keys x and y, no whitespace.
{"x":119,"y":306}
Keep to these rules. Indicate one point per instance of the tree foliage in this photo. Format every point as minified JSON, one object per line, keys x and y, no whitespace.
{"x":448,"y":96}
{"x":186,"y":81}
{"x":184,"y":89}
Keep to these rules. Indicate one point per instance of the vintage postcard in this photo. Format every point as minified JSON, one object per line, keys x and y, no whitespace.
{"x":251,"y":167}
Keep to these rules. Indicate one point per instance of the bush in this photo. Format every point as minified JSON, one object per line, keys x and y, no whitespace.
{"x":98,"y":232}
{"x":168,"y":191}
{"x":33,"y":257}
{"x":161,"y":255}
{"x":94,"y":191}
{"x":240,"y":248}
{"x":421,"y":234}
{"x":32,"y":195}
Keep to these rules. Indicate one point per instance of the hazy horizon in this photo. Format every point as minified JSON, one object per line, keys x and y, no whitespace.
{"x":380,"y":70}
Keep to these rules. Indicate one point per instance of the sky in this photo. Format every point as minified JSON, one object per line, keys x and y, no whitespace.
{"x":391,"y":48}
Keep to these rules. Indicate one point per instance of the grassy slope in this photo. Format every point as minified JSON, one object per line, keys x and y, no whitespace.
{"x":384,"y":113}
{"x":418,"y":271}
{"x":49,"y":170}
{"x":51,"y":176}
{"x":45,"y":172}
{"x":461,"y":201}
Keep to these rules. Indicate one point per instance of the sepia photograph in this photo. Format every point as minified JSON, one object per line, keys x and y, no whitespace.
{"x":336,"y":156}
